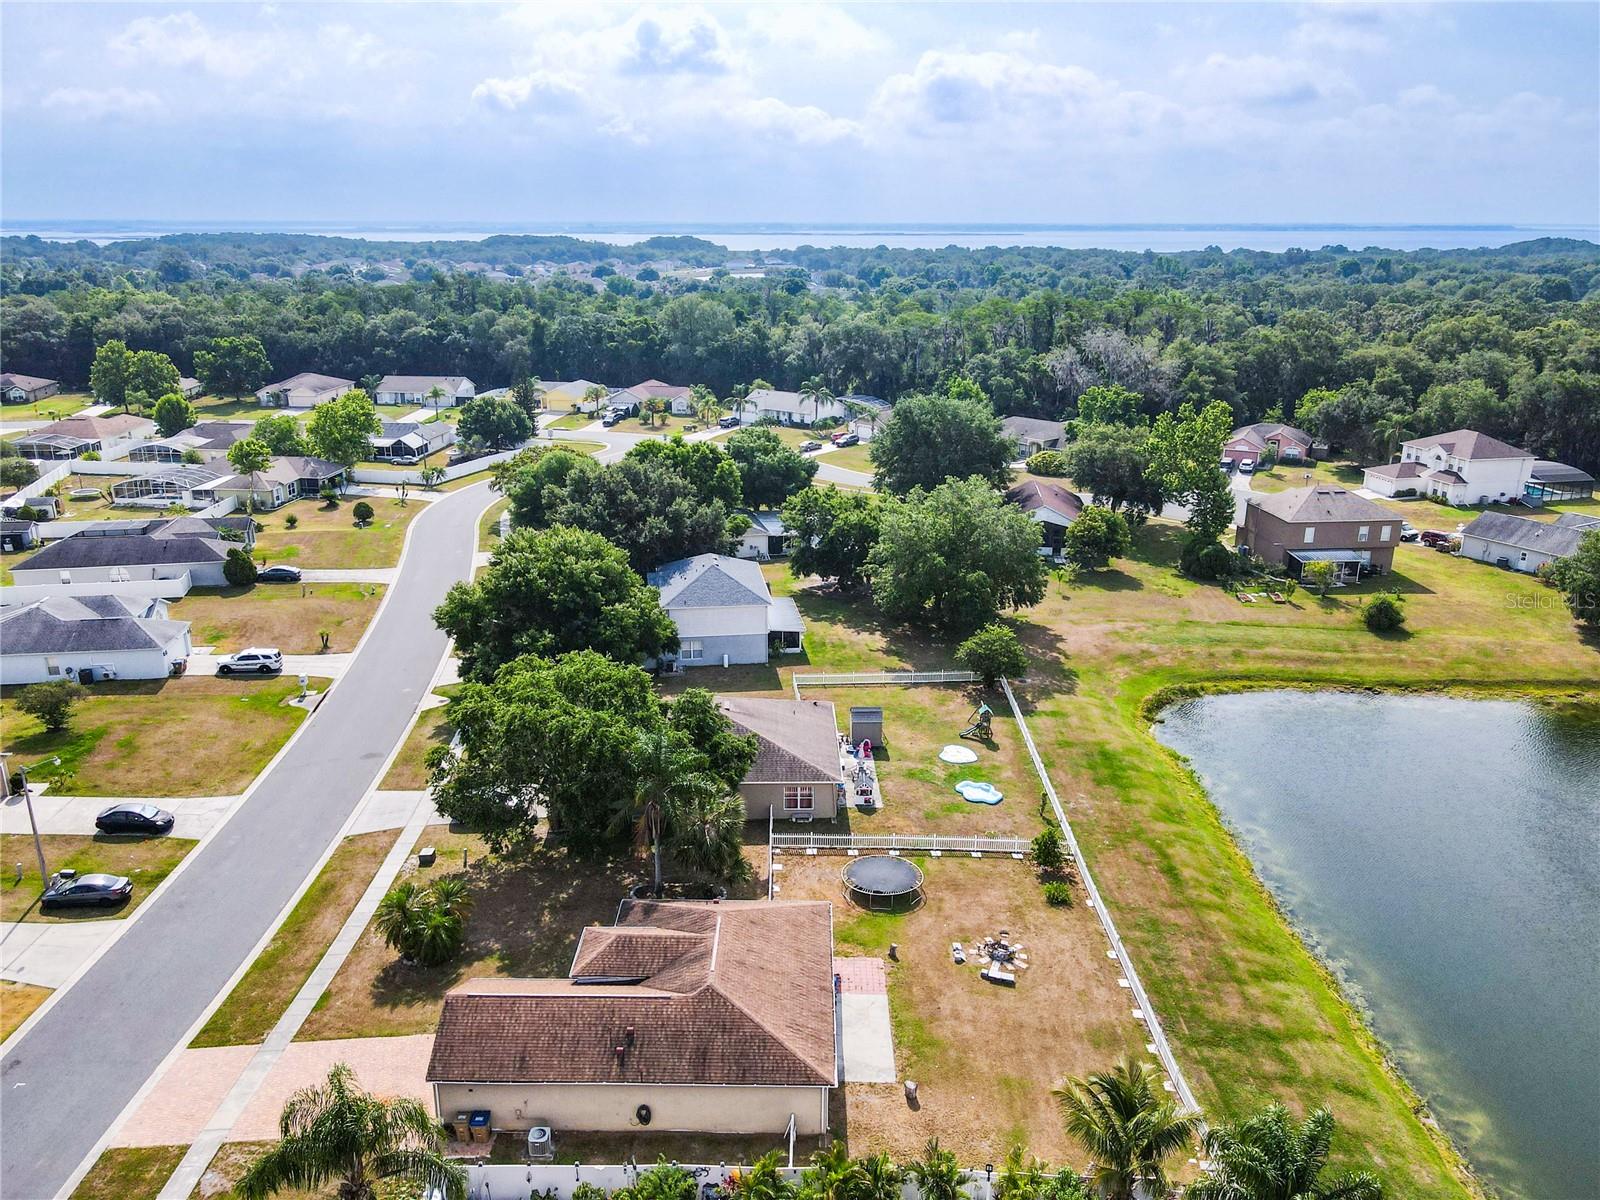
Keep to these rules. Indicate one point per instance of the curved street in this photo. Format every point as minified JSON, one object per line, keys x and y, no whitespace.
{"x":69,"y":1077}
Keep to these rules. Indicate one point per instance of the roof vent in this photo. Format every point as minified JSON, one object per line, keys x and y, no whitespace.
{"x":628,"y":1035}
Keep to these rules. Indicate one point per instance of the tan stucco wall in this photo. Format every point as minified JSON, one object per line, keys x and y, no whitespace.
{"x":758,"y":797}
{"x":610,"y":1107}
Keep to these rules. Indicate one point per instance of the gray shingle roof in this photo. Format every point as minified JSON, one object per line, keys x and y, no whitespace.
{"x":311,"y":380}
{"x":710,"y":581}
{"x":84,"y":624}
{"x":180,"y":541}
{"x":1470,"y":444}
{"x":1323,"y":502}
{"x":797,"y":740}
{"x":1034,"y":494}
{"x":1559,"y":537}
{"x":1024,"y":428}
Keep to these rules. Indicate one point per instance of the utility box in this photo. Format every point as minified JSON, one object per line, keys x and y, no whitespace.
{"x":866,"y":725}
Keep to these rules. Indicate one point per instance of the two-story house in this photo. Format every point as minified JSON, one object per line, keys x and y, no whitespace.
{"x":1460,"y":467}
{"x":1324,"y":523}
{"x":724,"y":611}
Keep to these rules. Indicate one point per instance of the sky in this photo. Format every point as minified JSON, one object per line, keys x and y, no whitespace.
{"x":807,"y":113}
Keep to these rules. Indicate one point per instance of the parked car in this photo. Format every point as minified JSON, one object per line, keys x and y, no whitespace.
{"x":611,"y":418}
{"x":134,"y":817}
{"x":1227,"y":466}
{"x":1247,"y":466}
{"x":1436,"y":537}
{"x":847,"y":439}
{"x":278,"y":575}
{"x":263,"y":660}
{"x":68,"y":889}
{"x":729,"y":422}
{"x":1408,"y":532}
{"x":808,"y":447}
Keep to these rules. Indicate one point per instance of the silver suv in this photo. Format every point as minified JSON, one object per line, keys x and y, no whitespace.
{"x":263,"y":660}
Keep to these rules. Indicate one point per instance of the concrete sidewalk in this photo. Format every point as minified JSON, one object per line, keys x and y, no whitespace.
{"x":384,"y":575}
{"x":49,"y":953}
{"x":196,"y":815}
{"x":867,"y":1037}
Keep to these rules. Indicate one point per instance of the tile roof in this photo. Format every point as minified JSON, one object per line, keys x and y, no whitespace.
{"x":797,"y":741}
{"x":654,"y":387}
{"x":736,"y":993}
{"x":1558,"y":538}
{"x":1263,"y":431}
{"x":710,"y":581}
{"x":1470,"y":444}
{"x":1322,"y":502}
{"x":1034,"y":494}
{"x":84,"y":624}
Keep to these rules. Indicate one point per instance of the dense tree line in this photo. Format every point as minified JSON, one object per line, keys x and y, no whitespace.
{"x":1507,"y":340}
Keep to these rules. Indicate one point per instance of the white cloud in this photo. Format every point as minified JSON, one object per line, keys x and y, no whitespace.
{"x":1262,"y":79}
{"x":804,"y":123}
{"x":821,"y":29}
{"x":181,"y":40}
{"x":88,"y":103}
{"x":1348,"y":28}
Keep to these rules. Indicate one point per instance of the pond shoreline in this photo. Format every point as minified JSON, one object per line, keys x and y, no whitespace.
{"x":1558,"y":695}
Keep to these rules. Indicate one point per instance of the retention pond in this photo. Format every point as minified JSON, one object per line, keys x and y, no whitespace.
{"x":1443,"y":856}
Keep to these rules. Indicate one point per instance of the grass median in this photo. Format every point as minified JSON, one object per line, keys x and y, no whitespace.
{"x":278,"y":972}
{"x":130,"y":1173}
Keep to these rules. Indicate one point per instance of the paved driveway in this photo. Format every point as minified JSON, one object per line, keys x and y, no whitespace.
{"x":203,"y":663}
{"x":49,"y":953}
{"x":114,"y":1026}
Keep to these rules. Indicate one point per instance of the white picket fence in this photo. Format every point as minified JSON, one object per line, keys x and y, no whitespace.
{"x":899,"y":843}
{"x":138,"y":589}
{"x":514,"y":1182}
{"x":880,"y":679}
{"x":414,"y":478}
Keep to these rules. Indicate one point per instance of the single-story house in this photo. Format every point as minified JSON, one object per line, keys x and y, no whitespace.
{"x":156,"y":548}
{"x":191,"y":486}
{"x":874,"y":411}
{"x":76,"y":436}
{"x":68,"y":637}
{"x":1524,"y":543}
{"x":570,"y":394}
{"x":1054,"y":508}
{"x":305,"y":390}
{"x":414,"y":389}
{"x":189,"y":388}
{"x":1459,"y":467}
{"x":767,"y":537}
{"x":1324,"y":522}
{"x":1031,"y":434}
{"x":798,"y":773}
{"x":24,"y":389}
{"x":789,"y":408}
{"x":18,"y":535}
{"x":724,"y":611}
{"x":1251,"y":443}
{"x":211,"y":439}
{"x":1553,"y":481}
{"x":409,"y":441}
{"x":288,"y":477}
{"x":683,"y":1016}
{"x":680,"y":400}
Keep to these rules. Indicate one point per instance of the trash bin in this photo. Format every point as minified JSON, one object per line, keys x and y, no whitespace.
{"x":480,"y":1124}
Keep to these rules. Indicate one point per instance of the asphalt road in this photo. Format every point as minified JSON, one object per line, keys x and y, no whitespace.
{"x":71,"y":1076}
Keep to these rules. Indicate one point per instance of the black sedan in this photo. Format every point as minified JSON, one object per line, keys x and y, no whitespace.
{"x":278,"y":575}
{"x":71,"y":890}
{"x":134,"y":818}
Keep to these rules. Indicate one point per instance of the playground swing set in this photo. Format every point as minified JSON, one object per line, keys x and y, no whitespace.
{"x":979,"y":724}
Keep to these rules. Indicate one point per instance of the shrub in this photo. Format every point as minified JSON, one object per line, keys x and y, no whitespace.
{"x":1047,"y":462}
{"x":1058,"y":893}
{"x":425,"y":925}
{"x":17,"y":472}
{"x":328,"y":495}
{"x":29,"y":513}
{"x":290,"y":521}
{"x":588,"y":1191}
{"x":1206,"y":560}
{"x":50,"y":703}
{"x":90,"y":456}
{"x":992,"y":652}
{"x":1096,"y":537}
{"x":239,"y":569}
{"x":362,"y":512}
{"x":1047,"y":852}
{"x":1383,"y":614}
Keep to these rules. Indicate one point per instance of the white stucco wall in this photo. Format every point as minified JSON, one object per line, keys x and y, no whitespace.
{"x":1484,"y":550}
{"x":612,"y":1107}
{"x":200,"y":574}
{"x":18,"y":669}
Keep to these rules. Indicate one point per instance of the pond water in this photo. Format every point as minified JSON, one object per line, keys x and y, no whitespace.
{"x":1444,"y":856}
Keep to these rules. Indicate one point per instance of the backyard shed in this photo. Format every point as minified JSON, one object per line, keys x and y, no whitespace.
{"x":866,"y":724}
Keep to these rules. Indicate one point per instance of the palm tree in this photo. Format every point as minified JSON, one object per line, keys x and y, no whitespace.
{"x":829,"y":1175}
{"x":435,"y":394}
{"x":1022,"y":1177}
{"x":399,"y":915}
{"x":335,"y":1132}
{"x":1268,"y":1157}
{"x":708,"y":834}
{"x":875,"y":1178}
{"x":815,"y":393}
{"x":1127,"y":1128}
{"x":763,"y":1180}
{"x":667,"y":777}
{"x":937,"y":1174}
{"x":1392,"y":429}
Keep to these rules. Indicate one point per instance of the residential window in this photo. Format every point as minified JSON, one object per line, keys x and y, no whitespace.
{"x":1363,"y":533}
{"x":52,"y":666}
{"x":1383,"y":533}
{"x":797,"y":798}
{"x":1311,"y":534}
{"x":691,"y":650}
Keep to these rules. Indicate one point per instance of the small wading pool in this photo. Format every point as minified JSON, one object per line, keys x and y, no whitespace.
{"x":881,"y":881}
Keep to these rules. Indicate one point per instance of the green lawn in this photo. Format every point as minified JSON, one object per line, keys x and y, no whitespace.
{"x":227,"y":408}
{"x":146,"y":861}
{"x":851,"y":458}
{"x":51,"y":408}
{"x":489,"y":527}
{"x":409,"y":770}
{"x":170,"y":737}
{"x":278,"y":972}
{"x":792,"y":438}
{"x":130,"y":1173}
{"x":570,"y":421}
{"x":290,"y":616}
{"x":327,"y":535}
{"x":1293,"y":475}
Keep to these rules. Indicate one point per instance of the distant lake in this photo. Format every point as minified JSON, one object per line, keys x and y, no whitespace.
{"x":1444,"y":856}
{"x":909,"y":235}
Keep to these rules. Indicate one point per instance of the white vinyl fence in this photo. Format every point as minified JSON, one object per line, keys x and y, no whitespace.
{"x":880,"y":679}
{"x":899,"y":843}
{"x":514,"y":1182}
{"x":414,"y":478}
{"x":151,"y":589}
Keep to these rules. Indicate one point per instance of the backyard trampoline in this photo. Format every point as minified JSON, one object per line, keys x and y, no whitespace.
{"x":881,"y":881}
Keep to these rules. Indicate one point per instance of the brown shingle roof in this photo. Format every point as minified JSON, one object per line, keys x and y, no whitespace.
{"x":1324,"y":502}
{"x":1034,"y":494}
{"x":1470,"y":444}
{"x":747,"y":1000}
